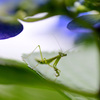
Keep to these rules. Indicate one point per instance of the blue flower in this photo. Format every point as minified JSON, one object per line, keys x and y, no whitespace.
{"x":9,"y":25}
{"x":8,"y":30}
{"x":84,"y":25}
{"x":11,"y":11}
{"x":89,"y":21}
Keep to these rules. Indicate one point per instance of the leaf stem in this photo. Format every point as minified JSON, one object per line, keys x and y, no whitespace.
{"x":72,"y":90}
{"x":63,"y":94}
{"x":99,"y":63}
{"x":97,"y":39}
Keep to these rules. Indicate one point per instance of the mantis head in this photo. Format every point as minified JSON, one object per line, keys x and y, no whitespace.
{"x":62,"y":54}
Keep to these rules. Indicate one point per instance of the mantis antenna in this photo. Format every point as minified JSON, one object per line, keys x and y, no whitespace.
{"x":74,"y":47}
{"x":60,"y":45}
{"x":57,"y":42}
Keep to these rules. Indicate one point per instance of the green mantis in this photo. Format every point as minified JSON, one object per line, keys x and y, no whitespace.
{"x":48,"y":61}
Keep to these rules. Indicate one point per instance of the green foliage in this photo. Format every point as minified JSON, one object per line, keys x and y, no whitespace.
{"x":17,"y":92}
{"x":14,"y":72}
{"x":69,"y":2}
{"x":93,"y":4}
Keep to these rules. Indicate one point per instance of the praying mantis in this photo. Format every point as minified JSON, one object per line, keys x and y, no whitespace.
{"x":48,"y":61}
{"x":52,"y":61}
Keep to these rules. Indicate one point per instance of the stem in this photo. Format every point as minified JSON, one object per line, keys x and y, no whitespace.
{"x":72,"y":90}
{"x":99,"y":63}
{"x":98,"y":45}
{"x":97,"y":38}
{"x":63,"y":94}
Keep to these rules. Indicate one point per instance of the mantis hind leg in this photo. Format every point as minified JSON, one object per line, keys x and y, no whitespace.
{"x":35,"y":66}
{"x":40,"y":55}
{"x":40,"y":51}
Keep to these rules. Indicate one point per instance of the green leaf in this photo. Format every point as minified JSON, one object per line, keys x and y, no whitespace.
{"x":79,"y":72}
{"x":19,"y":82}
{"x":14,"y":72}
{"x":16,"y":92}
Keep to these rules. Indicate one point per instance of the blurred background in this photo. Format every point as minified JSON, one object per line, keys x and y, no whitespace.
{"x":51,"y":34}
{"x":78,"y":70}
